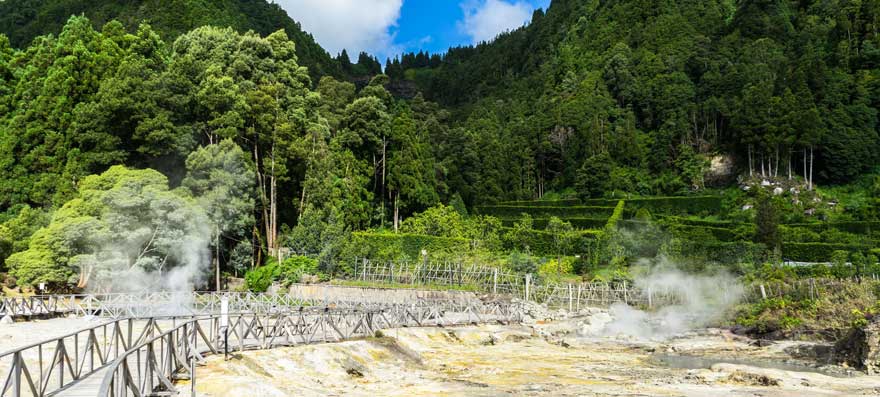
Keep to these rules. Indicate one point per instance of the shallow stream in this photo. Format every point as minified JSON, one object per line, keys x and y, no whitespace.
{"x":680,"y":361}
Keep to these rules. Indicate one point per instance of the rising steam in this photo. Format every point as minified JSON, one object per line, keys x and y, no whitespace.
{"x":699,"y":300}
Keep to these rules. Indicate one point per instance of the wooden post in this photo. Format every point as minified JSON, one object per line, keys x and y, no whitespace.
{"x":625,"y":297}
{"x":528,"y":284}
{"x":650,"y":300}
{"x":763,"y":292}
{"x":570,"y":298}
{"x":579,"y":298}
{"x":495,"y":280}
{"x":365,"y":269}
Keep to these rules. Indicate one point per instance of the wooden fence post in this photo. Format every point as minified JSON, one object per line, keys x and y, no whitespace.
{"x":528,"y":284}
{"x":495,"y":280}
{"x":365,"y":269}
{"x":570,"y":298}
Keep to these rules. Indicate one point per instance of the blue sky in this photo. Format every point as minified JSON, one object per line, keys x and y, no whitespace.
{"x":386,"y":28}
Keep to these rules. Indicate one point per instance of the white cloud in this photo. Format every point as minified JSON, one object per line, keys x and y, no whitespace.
{"x":353,"y":25}
{"x":486,"y":19}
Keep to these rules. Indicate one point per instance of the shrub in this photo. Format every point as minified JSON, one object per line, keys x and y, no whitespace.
{"x":521,"y":263}
{"x":259,"y":279}
{"x":288,"y":272}
{"x":542,"y":243}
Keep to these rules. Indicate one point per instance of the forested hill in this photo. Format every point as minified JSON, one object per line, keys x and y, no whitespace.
{"x":23,"y":20}
{"x":781,"y":82}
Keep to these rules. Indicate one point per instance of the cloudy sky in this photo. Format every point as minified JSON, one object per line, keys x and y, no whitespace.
{"x":386,"y":28}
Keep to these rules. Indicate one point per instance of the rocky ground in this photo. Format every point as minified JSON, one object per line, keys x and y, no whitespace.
{"x":562,"y":358}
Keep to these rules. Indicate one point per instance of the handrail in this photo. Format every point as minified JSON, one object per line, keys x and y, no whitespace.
{"x":173,"y":354}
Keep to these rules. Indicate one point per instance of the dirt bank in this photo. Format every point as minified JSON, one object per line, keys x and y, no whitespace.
{"x":543,"y":359}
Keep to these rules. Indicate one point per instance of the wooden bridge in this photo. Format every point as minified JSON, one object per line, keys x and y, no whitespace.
{"x":146,"y":352}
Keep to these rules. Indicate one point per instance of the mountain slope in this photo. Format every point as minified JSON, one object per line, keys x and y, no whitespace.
{"x":780,"y":84}
{"x":22,"y":20}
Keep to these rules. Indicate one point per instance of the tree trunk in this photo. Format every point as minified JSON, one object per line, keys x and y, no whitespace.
{"x":811,"y":168}
{"x":763,"y":170}
{"x":217,"y":258}
{"x":384,"y":159}
{"x":789,"y":163}
{"x":751,"y":168}
{"x":776,"y":171}
{"x":805,"y":165}
{"x":272,"y":232}
{"x":396,"y":212}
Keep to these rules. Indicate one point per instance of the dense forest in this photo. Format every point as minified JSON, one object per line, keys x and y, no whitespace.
{"x":255,"y":130}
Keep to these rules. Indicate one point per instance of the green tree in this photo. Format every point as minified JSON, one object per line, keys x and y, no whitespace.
{"x":220,"y":177}
{"x":563,"y":238}
{"x":125,"y":230}
{"x":593,"y":176}
{"x":767,"y":222}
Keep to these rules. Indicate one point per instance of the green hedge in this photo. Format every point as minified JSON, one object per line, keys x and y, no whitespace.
{"x":616,"y":216}
{"x":577,"y":223}
{"x":849,"y":227}
{"x":697,"y":232}
{"x":719,"y":252}
{"x":516,"y":211}
{"x":391,"y":246}
{"x":685,"y":205}
{"x":541,"y":242}
{"x":701,"y":222}
{"x":543,"y":203}
{"x":817,"y":252}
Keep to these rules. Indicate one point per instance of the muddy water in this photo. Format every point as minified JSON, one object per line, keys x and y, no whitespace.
{"x":697,"y":362}
{"x":503,"y":361}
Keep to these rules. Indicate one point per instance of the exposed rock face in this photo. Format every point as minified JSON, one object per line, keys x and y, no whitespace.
{"x":861,"y":348}
{"x":722,"y":170}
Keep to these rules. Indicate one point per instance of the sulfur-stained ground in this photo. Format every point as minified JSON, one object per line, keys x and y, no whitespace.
{"x":519,"y":360}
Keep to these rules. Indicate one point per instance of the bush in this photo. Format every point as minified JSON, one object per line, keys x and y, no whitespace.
{"x":288,"y":272}
{"x":551,"y":267}
{"x":521,"y":263}
{"x":542,"y":243}
{"x":259,"y":279}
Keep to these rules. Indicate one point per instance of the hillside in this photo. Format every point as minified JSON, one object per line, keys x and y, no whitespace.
{"x":23,"y":20}
{"x":790,"y":88}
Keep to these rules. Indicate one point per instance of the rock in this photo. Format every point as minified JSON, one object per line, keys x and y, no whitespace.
{"x":722,"y":170}
{"x":595,"y":323}
{"x":861,"y":348}
{"x":747,"y":207}
{"x":309,"y":279}
{"x":778,"y":191}
{"x":765,"y":183}
{"x":7,"y":319}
